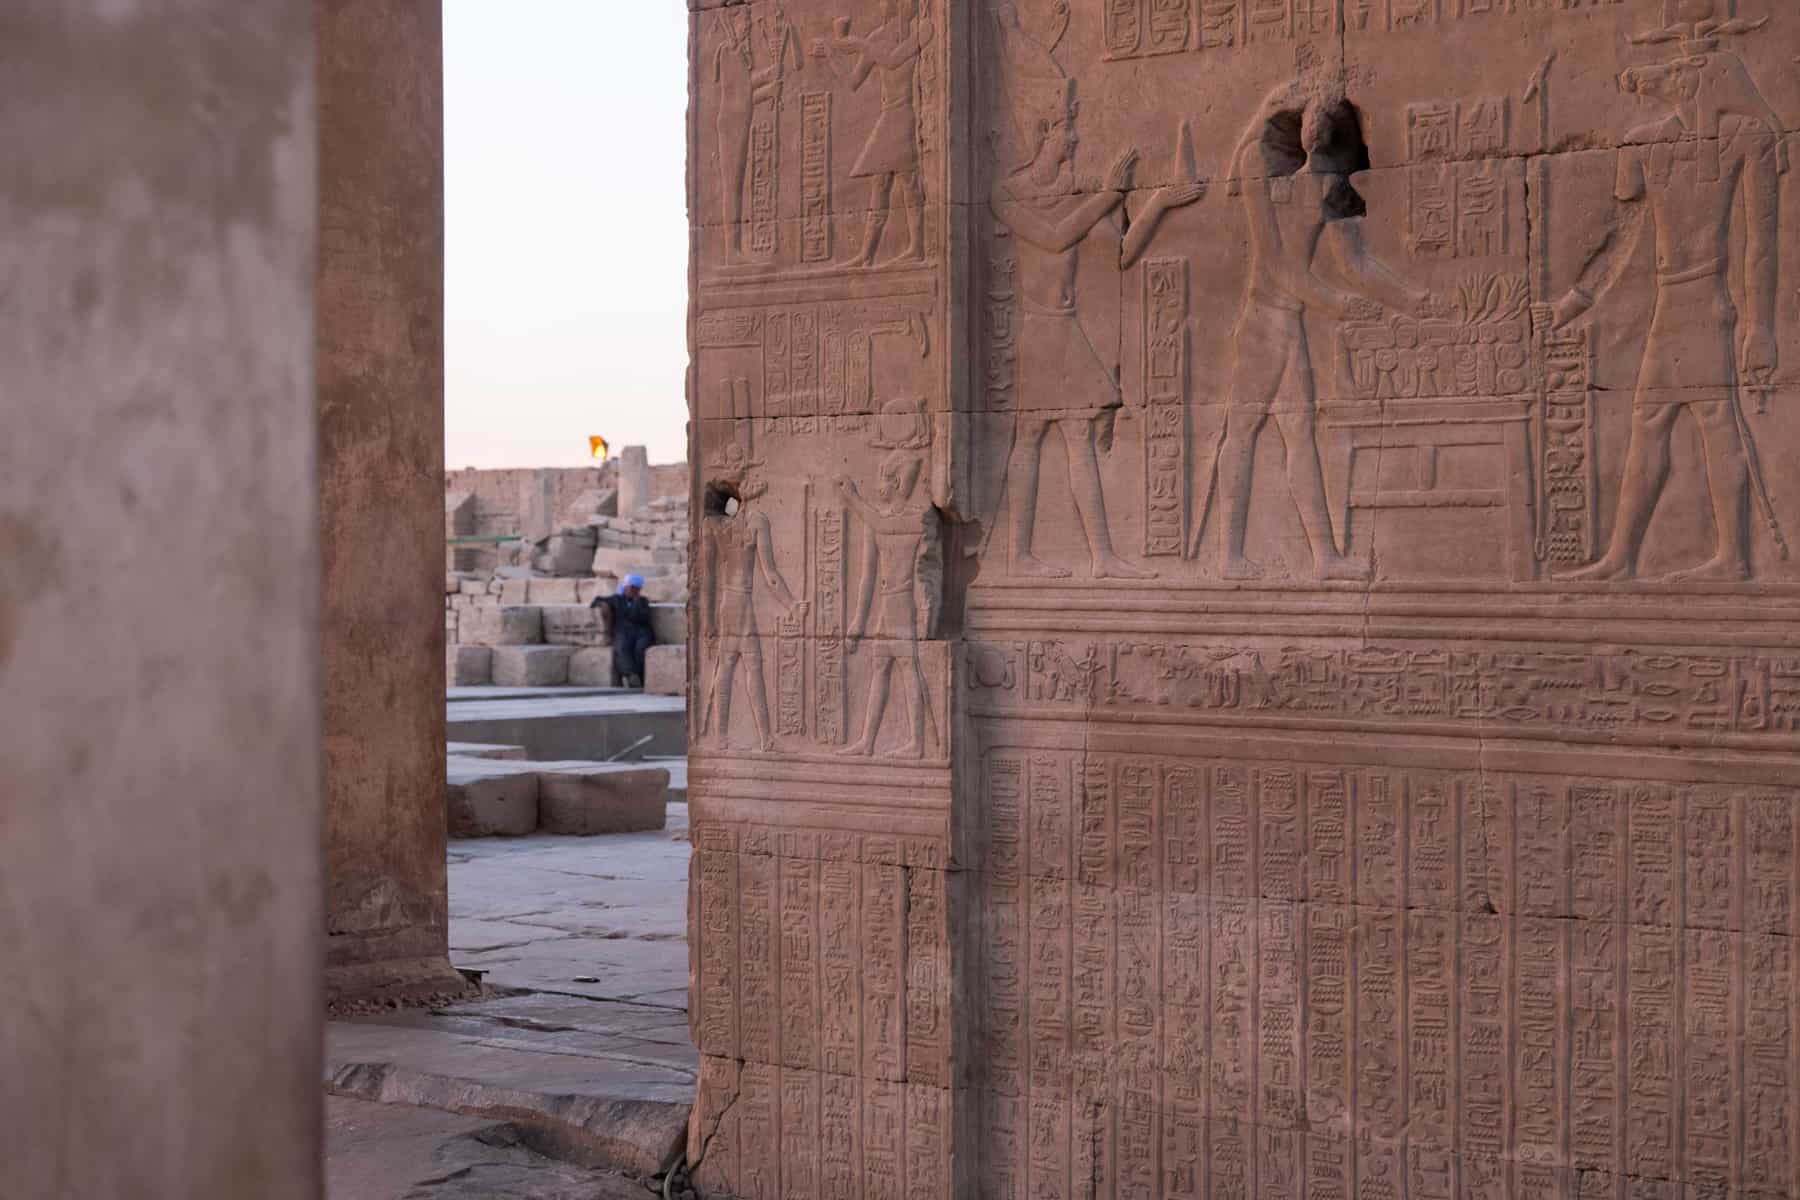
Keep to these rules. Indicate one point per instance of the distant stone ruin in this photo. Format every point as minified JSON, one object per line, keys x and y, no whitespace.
{"x":528,"y":551}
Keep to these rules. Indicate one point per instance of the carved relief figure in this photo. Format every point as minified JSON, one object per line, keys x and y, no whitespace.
{"x":901,"y":556}
{"x":1063,"y":382}
{"x":756,"y":45}
{"x":1295,"y":163}
{"x":1679,"y":184}
{"x":890,"y":158}
{"x":738,"y":547}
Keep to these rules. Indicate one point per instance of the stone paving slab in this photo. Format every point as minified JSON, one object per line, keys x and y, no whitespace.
{"x":600,"y":917}
{"x":582,"y":1045}
{"x":599,"y":1100}
{"x":398,"y":1152}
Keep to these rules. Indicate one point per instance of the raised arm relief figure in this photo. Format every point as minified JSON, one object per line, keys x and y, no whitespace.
{"x":738,"y":547}
{"x":901,"y":551}
{"x":890,"y":158}
{"x":1294,"y":167}
{"x":1684,"y":189}
{"x":1064,"y":384}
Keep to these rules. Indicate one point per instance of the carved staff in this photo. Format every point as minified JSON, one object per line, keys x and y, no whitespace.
{"x":1538,"y":89}
{"x":1753,"y":461}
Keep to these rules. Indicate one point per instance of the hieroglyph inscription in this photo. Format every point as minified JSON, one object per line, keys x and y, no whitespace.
{"x":824,"y":972}
{"x":1138,"y":28}
{"x":1165,"y":406}
{"x":1648,"y":695}
{"x":1205,"y":977}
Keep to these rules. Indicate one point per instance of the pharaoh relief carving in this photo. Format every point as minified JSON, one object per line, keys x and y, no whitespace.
{"x":1293,"y":169}
{"x":823,"y":121}
{"x":890,"y":157}
{"x":737,"y":550}
{"x":1445,"y":375}
{"x":901,"y":578}
{"x":1063,"y":383}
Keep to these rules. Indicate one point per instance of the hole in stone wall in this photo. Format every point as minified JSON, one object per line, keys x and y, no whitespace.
{"x":721,"y":498}
{"x":1328,"y":140}
{"x":1283,"y":151}
{"x":1338,"y":150}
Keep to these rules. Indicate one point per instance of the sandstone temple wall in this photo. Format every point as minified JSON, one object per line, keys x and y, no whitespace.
{"x":1245,"y":641}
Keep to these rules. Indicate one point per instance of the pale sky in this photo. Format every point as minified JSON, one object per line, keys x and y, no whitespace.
{"x":566,"y":263}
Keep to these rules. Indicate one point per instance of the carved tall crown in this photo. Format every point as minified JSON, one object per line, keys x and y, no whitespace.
{"x":1037,"y":87}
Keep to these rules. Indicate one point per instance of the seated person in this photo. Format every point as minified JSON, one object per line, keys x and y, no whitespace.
{"x":627,"y":619}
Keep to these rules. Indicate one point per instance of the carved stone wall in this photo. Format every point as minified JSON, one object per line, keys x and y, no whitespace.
{"x":1345,"y":593}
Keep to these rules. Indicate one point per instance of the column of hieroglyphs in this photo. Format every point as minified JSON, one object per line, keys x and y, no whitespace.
{"x":1365,"y":725}
{"x":820,"y":699}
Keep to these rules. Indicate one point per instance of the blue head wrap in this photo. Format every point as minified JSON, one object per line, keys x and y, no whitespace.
{"x":636,"y":581}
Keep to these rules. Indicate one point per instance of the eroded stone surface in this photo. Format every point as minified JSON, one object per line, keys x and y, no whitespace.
{"x":491,"y":797}
{"x":159,"y":612}
{"x":665,"y":670}
{"x":400,"y":1152}
{"x":531,"y":666}
{"x":593,"y":798}
{"x":1289,"y":500}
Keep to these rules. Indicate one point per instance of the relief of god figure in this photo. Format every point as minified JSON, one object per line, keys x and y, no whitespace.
{"x":1712,"y":160}
{"x":890,"y":156}
{"x":901,"y":551}
{"x":737,"y":547}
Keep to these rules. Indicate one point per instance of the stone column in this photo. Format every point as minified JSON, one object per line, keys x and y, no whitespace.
{"x":381,"y":445}
{"x":159,"y":650}
{"x":634,"y":480}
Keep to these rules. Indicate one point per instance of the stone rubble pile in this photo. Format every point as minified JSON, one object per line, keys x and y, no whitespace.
{"x":519,"y":616}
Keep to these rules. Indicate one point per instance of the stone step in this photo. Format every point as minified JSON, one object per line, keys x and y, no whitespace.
{"x":494,"y":796}
{"x":589,"y":798}
{"x":468,"y":666}
{"x":589,"y":1096}
{"x":492,"y":750}
{"x":669,"y":623}
{"x":489,"y":797}
{"x":506,"y":625}
{"x":563,"y":726}
{"x":531,"y":666}
{"x":665,"y":670}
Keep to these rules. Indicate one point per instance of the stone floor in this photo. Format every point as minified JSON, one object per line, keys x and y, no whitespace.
{"x":580,"y":1050}
{"x":395,"y":1152}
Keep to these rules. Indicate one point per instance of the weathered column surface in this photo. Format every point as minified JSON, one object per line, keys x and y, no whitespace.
{"x":381,"y":421}
{"x":1247,"y":639}
{"x":159,"y":653}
